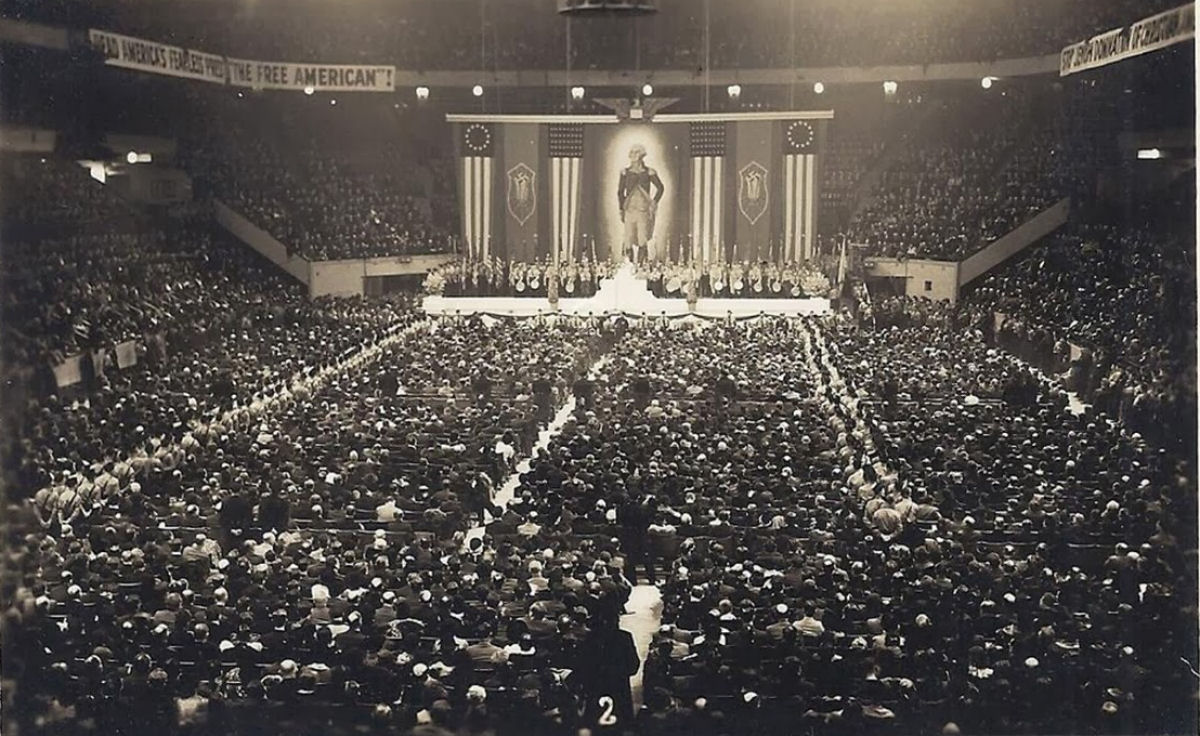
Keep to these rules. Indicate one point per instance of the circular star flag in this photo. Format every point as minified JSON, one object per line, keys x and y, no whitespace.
{"x":478,"y":138}
{"x":800,"y":134}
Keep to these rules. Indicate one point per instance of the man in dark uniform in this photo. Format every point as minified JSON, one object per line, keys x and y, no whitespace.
{"x":724,"y":391}
{"x":481,"y":386}
{"x":542,"y":398}
{"x":609,"y":659}
{"x":585,"y":389}
{"x":635,"y":518}
{"x":641,"y":391}
{"x":638,"y":194}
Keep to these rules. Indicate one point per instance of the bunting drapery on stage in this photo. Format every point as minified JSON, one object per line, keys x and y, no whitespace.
{"x":736,"y":186}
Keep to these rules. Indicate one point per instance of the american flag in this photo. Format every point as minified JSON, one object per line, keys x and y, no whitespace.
{"x":478,"y":150}
{"x":708,"y":167}
{"x":566,"y":154}
{"x":799,"y":190}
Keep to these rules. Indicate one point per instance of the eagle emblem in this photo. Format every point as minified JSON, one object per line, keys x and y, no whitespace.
{"x":752,"y":191}
{"x":522,"y":193}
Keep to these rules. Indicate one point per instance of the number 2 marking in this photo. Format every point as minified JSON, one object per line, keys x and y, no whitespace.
{"x":606,"y":715}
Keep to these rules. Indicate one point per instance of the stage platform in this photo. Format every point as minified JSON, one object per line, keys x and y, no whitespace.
{"x":623,"y":293}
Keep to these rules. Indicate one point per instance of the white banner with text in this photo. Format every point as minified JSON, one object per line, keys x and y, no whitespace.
{"x":139,"y":54}
{"x":1149,"y":34}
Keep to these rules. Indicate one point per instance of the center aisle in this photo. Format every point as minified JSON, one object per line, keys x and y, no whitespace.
{"x":645,"y":601}
{"x":646,"y":608}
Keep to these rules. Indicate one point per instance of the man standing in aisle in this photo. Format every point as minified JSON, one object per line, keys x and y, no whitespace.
{"x":608,"y":659}
{"x":637,"y":202}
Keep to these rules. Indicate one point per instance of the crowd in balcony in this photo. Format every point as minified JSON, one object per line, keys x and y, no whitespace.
{"x":322,"y":207}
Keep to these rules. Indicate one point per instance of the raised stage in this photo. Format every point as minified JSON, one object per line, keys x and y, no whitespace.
{"x":623,"y":293}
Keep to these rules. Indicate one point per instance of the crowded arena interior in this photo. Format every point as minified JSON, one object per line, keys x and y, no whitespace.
{"x":726,"y":367}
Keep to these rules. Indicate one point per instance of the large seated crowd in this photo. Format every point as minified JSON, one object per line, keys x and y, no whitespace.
{"x":345,"y":516}
{"x":885,"y":526}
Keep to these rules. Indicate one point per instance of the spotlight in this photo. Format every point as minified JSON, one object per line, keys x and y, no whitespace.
{"x":309,"y":89}
{"x":131,"y":157}
{"x":477,"y":90}
{"x":577,"y":93}
{"x":422,"y":93}
{"x":333,"y":102}
{"x":987,"y":82}
{"x":889,"y":87}
{"x":647,"y":90}
{"x":1149,"y":154}
{"x":734,"y":90}
{"x":819,"y":88}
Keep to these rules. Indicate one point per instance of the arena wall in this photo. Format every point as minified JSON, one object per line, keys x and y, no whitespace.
{"x":929,"y":279}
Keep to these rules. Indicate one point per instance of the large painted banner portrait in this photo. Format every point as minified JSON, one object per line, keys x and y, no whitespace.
{"x":699,"y":188}
{"x":634,"y":199}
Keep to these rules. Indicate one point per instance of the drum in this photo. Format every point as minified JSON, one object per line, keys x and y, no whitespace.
{"x":738,"y":285}
{"x":776,"y":286}
{"x":673,"y":284}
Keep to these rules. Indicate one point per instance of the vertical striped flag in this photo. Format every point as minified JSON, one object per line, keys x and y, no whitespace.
{"x":566,"y":157}
{"x":477,"y":147}
{"x":707,"y":151}
{"x":799,"y":190}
